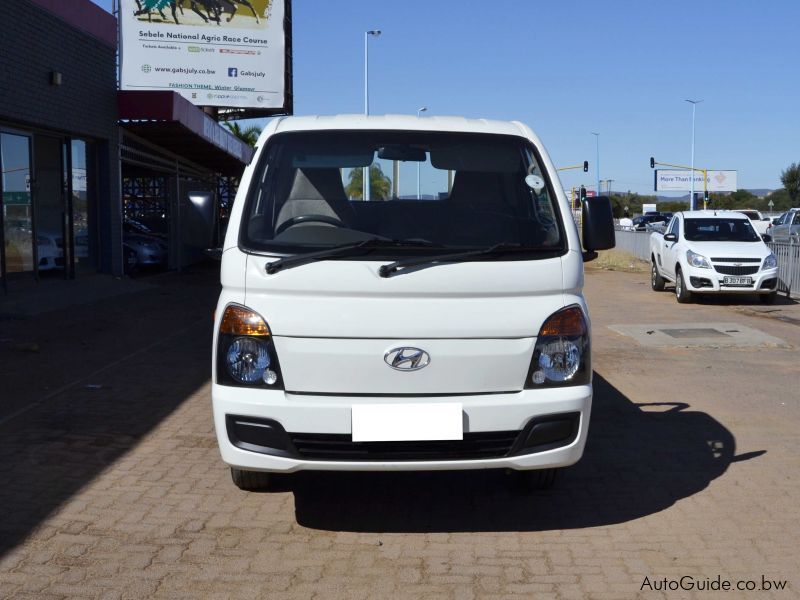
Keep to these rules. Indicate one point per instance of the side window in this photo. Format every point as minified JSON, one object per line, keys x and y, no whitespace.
{"x":675,"y":227}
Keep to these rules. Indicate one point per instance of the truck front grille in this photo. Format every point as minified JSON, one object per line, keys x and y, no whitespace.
{"x":732,"y":270}
{"x":340,"y":447}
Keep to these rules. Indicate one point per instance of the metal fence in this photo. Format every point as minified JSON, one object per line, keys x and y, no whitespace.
{"x":634,"y":242}
{"x":788,"y":256}
{"x":637,"y":243}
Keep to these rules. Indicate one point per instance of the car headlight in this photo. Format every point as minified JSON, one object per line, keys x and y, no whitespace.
{"x":561,"y":355}
{"x":697,"y":260}
{"x":245,"y":351}
{"x":770,"y":262}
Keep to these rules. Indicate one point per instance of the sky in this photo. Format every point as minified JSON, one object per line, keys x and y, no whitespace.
{"x":622,"y":69}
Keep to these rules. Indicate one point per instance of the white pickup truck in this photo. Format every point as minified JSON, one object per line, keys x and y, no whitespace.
{"x":398,"y":330}
{"x":712,"y":252}
{"x":759,"y":222}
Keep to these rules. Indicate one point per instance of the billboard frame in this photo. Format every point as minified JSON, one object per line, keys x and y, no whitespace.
{"x":225,"y":113}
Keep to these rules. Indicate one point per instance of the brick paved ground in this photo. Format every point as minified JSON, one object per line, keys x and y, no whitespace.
{"x":118,"y":491}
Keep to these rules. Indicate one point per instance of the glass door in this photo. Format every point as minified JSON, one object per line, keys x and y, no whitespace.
{"x":19,"y":253}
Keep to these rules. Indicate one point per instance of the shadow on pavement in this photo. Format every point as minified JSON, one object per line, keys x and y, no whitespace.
{"x":639,"y":460}
{"x":101,"y":377}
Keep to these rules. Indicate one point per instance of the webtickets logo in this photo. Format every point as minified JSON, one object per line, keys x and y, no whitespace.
{"x":226,"y":97}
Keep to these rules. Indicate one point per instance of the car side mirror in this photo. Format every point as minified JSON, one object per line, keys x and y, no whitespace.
{"x":598,"y":224}
{"x":766,"y":237}
{"x":670,"y":237}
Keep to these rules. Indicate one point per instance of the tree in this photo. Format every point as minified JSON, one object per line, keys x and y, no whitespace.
{"x":249,"y":135}
{"x":790,"y":178}
{"x":379,"y":184}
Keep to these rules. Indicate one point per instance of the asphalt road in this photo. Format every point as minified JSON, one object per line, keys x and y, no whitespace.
{"x":113,"y":486}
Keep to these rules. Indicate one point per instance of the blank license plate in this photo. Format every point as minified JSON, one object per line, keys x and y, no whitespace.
{"x":407,"y":422}
{"x":737,"y":281}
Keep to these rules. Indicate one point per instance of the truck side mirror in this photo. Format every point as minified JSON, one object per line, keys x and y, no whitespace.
{"x":598,"y":225}
{"x":766,"y":237}
{"x":670,"y":237}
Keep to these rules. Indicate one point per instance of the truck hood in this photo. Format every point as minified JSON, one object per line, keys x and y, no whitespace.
{"x":334,"y":323}
{"x":349,"y":299}
{"x":730,"y":249}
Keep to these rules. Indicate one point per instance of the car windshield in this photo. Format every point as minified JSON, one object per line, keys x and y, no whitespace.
{"x":435,"y":192}
{"x":720,"y":229}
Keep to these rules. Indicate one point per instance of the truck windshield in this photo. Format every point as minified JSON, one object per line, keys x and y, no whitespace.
{"x":430,"y":192}
{"x":720,"y":230}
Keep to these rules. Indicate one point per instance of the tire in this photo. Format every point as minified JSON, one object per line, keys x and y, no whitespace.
{"x":530,"y":481}
{"x":768,"y":298}
{"x":250,"y":481}
{"x":683,"y":295}
{"x":656,"y":280}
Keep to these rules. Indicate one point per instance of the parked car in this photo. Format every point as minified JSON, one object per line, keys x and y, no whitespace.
{"x":647,"y":222}
{"x":149,"y":248}
{"x":760,"y":223}
{"x":788,"y":226}
{"x":50,"y":251}
{"x":712,"y":252}
{"x":360,"y":343}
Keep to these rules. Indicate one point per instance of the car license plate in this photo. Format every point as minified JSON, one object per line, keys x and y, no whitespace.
{"x":740,"y":281}
{"x":407,"y":422}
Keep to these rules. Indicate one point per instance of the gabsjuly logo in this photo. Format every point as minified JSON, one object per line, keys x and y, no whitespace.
{"x":146,"y":68}
{"x":233,"y":72}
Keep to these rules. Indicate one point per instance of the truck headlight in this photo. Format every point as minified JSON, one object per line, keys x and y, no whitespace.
{"x":561,"y":355}
{"x":245,"y":351}
{"x":770,"y":262}
{"x":697,"y":260}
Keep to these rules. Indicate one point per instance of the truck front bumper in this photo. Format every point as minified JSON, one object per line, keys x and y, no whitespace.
{"x":709,"y":281}
{"x":320,"y":426}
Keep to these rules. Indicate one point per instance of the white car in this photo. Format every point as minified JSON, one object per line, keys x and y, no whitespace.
{"x":443,"y":331}
{"x":712,"y":252}
{"x":759,"y":222}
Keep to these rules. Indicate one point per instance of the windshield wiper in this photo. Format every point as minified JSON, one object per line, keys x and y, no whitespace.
{"x":344,"y":250}
{"x":391,"y":268}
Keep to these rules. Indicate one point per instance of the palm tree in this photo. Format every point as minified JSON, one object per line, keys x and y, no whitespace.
{"x":249,"y":135}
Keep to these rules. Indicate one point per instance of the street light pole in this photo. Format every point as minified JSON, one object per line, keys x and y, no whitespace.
{"x":597,"y":167}
{"x":376,"y":33}
{"x":419,"y":110}
{"x":694,"y":104}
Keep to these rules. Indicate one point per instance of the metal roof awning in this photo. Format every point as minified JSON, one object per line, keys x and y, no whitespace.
{"x":169,"y":121}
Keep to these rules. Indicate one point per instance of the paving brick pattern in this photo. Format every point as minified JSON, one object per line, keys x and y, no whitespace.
{"x":119,"y":492}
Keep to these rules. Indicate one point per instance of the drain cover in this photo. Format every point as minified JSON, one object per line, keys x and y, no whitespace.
{"x":697,"y":335}
{"x":694,"y":333}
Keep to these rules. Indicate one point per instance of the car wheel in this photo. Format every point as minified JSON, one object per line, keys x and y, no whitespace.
{"x":250,"y":481}
{"x":656,"y":280}
{"x":538,"y":479}
{"x":768,"y":298}
{"x":681,"y":293}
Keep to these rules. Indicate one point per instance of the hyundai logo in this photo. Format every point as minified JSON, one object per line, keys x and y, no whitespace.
{"x":407,"y":359}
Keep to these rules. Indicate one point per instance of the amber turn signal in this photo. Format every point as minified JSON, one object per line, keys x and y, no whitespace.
{"x":238,"y":320}
{"x":566,"y":322}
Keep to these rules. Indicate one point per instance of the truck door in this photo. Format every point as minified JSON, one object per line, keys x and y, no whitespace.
{"x":670,"y":257}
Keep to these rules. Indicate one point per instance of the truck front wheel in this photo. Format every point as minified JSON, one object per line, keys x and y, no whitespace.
{"x":683,"y":295}
{"x":656,"y":280}
{"x":250,"y":481}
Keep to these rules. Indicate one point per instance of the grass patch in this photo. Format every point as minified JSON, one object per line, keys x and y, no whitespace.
{"x":618,"y":260}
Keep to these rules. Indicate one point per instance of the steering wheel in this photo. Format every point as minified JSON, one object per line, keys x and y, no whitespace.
{"x":309,"y":219}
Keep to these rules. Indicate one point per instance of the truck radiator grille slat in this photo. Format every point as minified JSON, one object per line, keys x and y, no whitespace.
{"x":717,"y":259}
{"x":494,"y":444}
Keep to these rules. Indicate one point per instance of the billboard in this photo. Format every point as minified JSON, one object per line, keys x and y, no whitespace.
{"x":681,"y":181}
{"x":225,"y":53}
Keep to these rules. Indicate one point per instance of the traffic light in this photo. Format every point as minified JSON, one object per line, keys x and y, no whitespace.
{"x":586,"y":166}
{"x":583,"y":194}
{"x":652,"y":162}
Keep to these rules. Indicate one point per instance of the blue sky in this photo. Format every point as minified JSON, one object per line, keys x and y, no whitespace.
{"x":568,"y":68}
